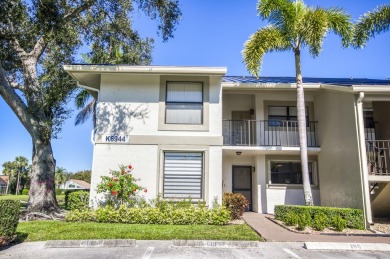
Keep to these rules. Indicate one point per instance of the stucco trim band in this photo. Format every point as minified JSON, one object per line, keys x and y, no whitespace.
{"x":166,"y":140}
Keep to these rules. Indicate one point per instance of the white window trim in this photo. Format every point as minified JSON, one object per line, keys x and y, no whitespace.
{"x":314,"y":172}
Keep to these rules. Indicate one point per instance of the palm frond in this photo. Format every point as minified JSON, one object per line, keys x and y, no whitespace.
{"x":371,"y":24}
{"x":86,"y":112}
{"x":340,"y":23}
{"x":267,"y":39}
{"x":312,"y":29}
{"x":280,"y":13}
{"x":81,"y":98}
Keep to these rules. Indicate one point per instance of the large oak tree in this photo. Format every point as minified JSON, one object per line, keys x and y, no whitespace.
{"x":36,"y":38}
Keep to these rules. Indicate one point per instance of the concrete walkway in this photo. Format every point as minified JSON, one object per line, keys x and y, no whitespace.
{"x":273,"y":232}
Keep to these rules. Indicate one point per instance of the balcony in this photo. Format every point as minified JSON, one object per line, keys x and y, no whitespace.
{"x":378,"y":157}
{"x":266,"y":133}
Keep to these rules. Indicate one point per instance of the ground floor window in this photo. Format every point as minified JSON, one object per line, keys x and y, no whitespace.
{"x":183,"y":175}
{"x":287,"y":172}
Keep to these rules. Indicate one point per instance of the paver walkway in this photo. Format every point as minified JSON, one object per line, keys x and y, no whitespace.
{"x":273,"y":232}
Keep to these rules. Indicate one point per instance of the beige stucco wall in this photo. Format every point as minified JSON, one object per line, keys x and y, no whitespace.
{"x":147,"y":161}
{"x":129,"y":104}
{"x":237,"y":102}
{"x":338,"y":161}
{"x":144,"y":159}
{"x":264,"y":195}
{"x":381,"y":204}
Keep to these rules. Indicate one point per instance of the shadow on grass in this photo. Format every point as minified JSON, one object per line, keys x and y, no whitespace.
{"x":20,"y":238}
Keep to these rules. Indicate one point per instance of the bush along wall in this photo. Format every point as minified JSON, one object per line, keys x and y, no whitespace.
{"x":77,"y":200}
{"x":170,"y":215}
{"x":236,"y":203}
{"x":320,"y":217}
{"x":9,"y":219}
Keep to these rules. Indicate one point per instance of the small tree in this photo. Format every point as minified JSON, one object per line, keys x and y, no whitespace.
{"x":121,"y":186}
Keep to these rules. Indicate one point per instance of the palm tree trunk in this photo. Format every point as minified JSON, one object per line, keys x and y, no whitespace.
{"x":42,"y":193}
{"x":302,"y":130}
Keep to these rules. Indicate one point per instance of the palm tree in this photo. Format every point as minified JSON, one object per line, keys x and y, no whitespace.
{"x":60,"y":176}
{"x":371,"y":24}
{"x":293,"y":26}
{"x":9,"y":170}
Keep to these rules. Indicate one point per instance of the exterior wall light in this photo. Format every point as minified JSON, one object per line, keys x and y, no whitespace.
{"x":238,"y":153}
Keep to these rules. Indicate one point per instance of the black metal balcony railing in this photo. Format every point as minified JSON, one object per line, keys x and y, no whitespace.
{"x":266,"y":133}
{"x":378,"y":157}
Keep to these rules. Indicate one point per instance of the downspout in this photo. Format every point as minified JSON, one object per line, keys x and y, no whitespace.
{"x":363,"y":161}
{"x":98,"y":96}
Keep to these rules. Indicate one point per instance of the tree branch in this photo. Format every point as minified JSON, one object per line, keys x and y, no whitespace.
{"x":38,"y":49}
{"x":41,"y":43}
{"x":74,"y":12}
{"x":15,"y":102}
{"x":16,"y":85}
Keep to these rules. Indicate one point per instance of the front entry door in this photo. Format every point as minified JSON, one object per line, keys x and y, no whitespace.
{"x":242,"y":182}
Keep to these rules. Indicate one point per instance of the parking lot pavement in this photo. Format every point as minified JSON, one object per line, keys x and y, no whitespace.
{"x":166,"y":249}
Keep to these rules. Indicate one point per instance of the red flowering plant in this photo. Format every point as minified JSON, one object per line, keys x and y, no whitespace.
{"x":121,"y":186}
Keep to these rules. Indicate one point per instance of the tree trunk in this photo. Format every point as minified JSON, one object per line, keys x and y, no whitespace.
{"x":42,"y":193}
{"x":302,"y":130}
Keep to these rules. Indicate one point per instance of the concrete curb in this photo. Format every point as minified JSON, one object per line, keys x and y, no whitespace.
{"x":216,"y":243}
{"x":90,"y":243}
{"x":347,"y":246}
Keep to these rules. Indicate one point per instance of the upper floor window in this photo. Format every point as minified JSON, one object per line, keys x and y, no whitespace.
{"x":184,"y":103}
{"x":276,"y":114}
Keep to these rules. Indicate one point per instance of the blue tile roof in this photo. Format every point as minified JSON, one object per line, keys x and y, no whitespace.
{"x":315,"y":80}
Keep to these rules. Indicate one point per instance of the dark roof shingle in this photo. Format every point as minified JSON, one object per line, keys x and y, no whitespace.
{"x":314,"y":80}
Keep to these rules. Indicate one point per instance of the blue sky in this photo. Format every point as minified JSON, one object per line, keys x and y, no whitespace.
{"x":212,"y":33}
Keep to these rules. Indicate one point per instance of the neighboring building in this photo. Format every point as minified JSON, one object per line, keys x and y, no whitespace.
{"x":75,"y":184}
{"x":3,"y":183}
{"x":191,"y":131}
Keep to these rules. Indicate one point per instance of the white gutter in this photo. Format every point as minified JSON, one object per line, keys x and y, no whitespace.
{"x":363,"y":160}
{"x":98,"y":96}
{"x":147,"y":69}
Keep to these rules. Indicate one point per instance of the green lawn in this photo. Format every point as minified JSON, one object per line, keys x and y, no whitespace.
{"x":59,"y":230}
{"x":24,"y":199}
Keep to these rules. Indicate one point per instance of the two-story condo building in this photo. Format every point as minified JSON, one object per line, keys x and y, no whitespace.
{"x":194,"y":132}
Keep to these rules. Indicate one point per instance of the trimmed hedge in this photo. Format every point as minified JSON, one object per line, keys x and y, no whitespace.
{"x":68,"y":192}
{"x":181,"y":216}
{"x":78,"y":200}
{"x":9,"y":219}
{"x":353,"y":218}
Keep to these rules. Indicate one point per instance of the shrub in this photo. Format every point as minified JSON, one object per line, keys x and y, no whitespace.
{"x":9,"y":219}
{"x":339,"y":223}
{"x":291,"y":219}
{"x":304,"y":220}
{"x":120,"y":187}
{"x":236,"y":203}
{"x":77,"y":200}
{"x":354,"y":217}
{"x":184,"y":216}
{"x":320,"y":221}
{"x":25,"y":191}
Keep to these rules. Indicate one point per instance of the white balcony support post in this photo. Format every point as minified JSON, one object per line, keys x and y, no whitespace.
{"x":249,"y":133}
{"x":363,"y":160}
